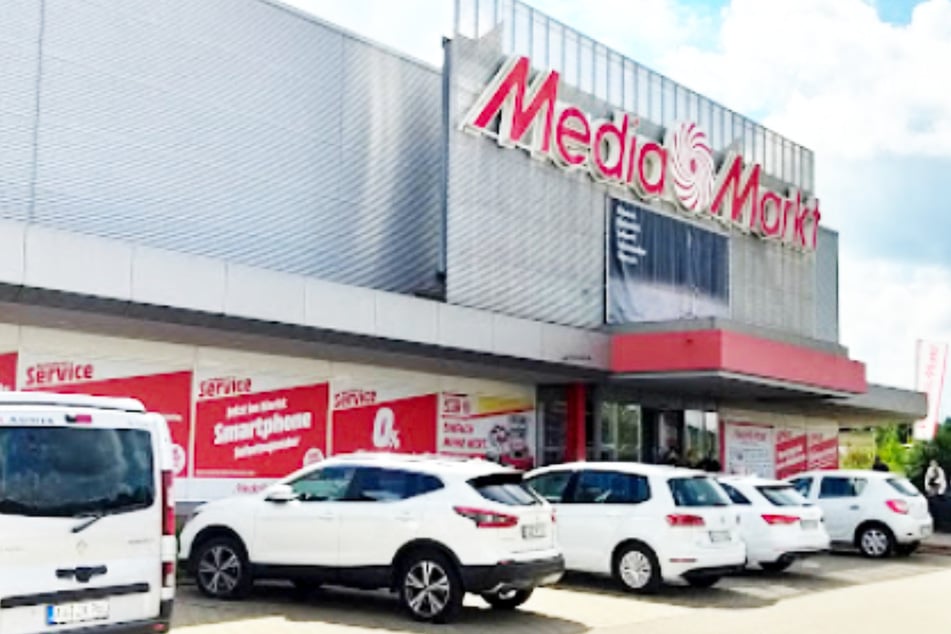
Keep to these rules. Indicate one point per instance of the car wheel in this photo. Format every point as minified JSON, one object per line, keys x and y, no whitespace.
{"x":507,"y":599}
{"x":222,"y":570}
{"x":904,"y":550}
{"x":876,"y":541}
{"x":430,"y":588}
{"x":703,"y":582}
{"x":776,"y":566}
{"x":636,"y":569}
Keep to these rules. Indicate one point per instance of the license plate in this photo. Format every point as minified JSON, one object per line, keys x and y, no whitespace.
{"x":534,"y":531}
{"x":77,"y":612}
{"x":719,"y":536}
{"x":810,"y":525}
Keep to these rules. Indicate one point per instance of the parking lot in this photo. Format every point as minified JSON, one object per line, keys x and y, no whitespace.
{"x":814,"y":596}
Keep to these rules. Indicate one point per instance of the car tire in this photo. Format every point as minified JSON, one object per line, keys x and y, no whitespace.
{"x":507,"y":600}
{"x":429,"y":586}
{"x":906,"y":550}
{"x":876,"y":541}
{"x":222,"y":570}
{"x":706,"y":581}
{"x":636,"y":569}
{"x":776,"y":566}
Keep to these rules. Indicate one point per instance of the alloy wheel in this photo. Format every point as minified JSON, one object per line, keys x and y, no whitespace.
{"x":219,"y":570}
{"x":427,"y":588}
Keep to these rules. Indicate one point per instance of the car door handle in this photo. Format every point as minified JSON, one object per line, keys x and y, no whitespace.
{"x":855,"y":507}
{"x":405,"y":517}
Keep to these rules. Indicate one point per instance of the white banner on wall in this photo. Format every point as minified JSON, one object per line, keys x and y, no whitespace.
{"x":930,"y":360}
{"x":748,"y":449}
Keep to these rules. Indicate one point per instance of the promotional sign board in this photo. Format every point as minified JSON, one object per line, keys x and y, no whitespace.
{"x":8,"y":371}
{"x":167,"y":393}
{"x":251,"y":430}
{"x":499,"y":429}
{"x":931,"y":362}
{"x":364,"y":420}
{"x":823,"y":449}
{"x":660,"y":268}
{"x":748,"y":449}
{"x":791,"y":451}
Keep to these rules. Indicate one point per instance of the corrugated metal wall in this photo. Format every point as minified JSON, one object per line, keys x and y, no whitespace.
{"x":527,"y":239}
{"x":19,"y":60}
{"x":227,"y":128}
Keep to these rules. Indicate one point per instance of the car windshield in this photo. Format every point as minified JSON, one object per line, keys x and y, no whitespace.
{"x":69,"y":471}
{"x":903,"y":486}
{"x":779,"y":495}
{"x":505,"y":488}
{"x":697,"y":491}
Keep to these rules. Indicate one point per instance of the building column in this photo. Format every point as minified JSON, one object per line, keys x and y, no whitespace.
{"x":576,"y":442}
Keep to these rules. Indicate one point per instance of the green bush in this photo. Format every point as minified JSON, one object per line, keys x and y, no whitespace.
{"x":922,"y":453}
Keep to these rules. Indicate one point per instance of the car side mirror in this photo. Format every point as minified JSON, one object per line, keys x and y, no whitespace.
{"x":281,"y":494}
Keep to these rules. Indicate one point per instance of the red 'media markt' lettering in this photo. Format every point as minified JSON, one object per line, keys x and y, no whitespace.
{"x":520,"y":111}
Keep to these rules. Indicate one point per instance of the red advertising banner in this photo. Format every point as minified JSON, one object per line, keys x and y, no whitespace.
{"x":8,"y":371}
{"x":823,"y":449}
{"x":168,"y":394}
{"x":259,"y":435}
{"x":791,"y":452}
{"x":405,"y":425}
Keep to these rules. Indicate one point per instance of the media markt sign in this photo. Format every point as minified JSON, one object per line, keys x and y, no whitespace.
{"x":681,"y":169}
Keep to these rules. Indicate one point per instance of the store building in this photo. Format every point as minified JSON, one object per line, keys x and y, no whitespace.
{"x":295,"y":242}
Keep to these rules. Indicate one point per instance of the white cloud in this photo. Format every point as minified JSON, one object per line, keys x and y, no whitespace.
{"x":831,"y":75}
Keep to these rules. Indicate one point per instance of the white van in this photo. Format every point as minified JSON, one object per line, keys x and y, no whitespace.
{"x":87,"y":523}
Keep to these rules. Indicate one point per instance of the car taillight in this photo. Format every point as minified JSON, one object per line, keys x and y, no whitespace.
{"x":554,"y":516}
{"x":898,"y":506}
{"x":487,"y":519}
{"x":168,"y":504}
{"x":774,"y":520}
{"x":677,"y":519}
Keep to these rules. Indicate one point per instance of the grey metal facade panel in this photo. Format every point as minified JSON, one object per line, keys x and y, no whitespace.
{"x":827,"y":285}
{"x":20,"y":27}
{"x":527,"y":239}
{"x":240,"y":130}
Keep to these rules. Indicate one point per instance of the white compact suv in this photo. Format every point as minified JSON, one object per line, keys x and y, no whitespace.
{"x":431,"y":529}
{"x":642,"y":524}
{"x":777,"y":524}
{"x":877,"y":512}
{"x":87,"y":521}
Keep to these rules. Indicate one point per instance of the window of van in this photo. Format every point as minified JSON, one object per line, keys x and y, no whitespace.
{"x":68,"y":471}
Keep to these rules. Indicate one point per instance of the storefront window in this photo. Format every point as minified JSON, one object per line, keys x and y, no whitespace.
{"x":553,"y":424}
{"x":701,"y":437}
{"x":619,"y":433}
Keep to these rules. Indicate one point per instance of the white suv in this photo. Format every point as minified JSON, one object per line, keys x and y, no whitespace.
{"x":877,"y":512}
{"x":430,"y":529}
{"x":642,"y":524}
{"x":777,"y":524}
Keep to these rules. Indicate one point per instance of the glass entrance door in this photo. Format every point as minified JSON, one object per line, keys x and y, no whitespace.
{"x":616,"y":432}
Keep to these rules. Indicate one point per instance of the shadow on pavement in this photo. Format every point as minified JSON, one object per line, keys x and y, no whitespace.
{"x":755,"y":589}
{"x":332,"y":606}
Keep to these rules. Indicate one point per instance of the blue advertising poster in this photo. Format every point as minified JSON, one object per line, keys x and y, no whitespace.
{"x":660,"y":268}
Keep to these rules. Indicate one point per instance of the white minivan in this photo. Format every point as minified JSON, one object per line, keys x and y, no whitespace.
{"x":87,"y":524}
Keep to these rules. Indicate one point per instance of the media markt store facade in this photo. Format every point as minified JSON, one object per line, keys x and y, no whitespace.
{"x":586,"y":190}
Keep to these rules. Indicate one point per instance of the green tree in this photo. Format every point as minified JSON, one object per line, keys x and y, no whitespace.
{"x":922,"y":453}
{"x":890,"y":446}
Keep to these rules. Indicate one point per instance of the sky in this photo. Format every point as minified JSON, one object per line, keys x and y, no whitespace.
{"x":860,"y":82}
